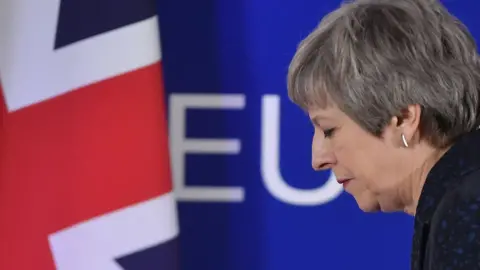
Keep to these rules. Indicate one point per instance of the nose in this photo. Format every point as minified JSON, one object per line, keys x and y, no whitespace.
{"x":322,"y":156}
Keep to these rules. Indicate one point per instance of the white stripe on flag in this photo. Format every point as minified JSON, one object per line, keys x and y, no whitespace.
{"x":32,"y":71}
{"x":96,"y":243}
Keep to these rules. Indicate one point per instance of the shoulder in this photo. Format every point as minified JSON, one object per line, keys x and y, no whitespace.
{"x":461,"y":205}
{"x":455,"y":227}
{"x":461,"y":198}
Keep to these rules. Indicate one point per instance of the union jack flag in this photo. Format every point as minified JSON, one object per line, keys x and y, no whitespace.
{"x":84,"y":164}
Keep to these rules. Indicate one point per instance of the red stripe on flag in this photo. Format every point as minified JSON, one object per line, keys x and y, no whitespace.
{"x":77,"y":156}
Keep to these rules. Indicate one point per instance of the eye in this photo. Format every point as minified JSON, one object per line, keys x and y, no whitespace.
{"x":328,"y":132}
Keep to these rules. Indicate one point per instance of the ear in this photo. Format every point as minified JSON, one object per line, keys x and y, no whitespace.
{"x":408,"y":123}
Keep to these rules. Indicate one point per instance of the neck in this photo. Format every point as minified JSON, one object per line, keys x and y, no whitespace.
{"x":414,"y":185}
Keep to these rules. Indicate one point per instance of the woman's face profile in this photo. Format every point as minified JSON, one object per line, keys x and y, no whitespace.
{"x":369,"y":167}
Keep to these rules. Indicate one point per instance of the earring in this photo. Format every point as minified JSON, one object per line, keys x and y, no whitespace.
{"x":405,"y":143}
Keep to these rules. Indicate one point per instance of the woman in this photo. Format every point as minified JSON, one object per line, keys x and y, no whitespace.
{"x":392,"y":88}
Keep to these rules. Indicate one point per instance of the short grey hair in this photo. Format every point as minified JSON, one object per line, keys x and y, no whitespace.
{"x":374,"y":58}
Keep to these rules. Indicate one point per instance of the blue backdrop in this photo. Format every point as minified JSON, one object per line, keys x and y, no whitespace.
{"x":243,"y":48}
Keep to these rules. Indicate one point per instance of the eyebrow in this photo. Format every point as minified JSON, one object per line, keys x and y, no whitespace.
{"x":315,"y":119}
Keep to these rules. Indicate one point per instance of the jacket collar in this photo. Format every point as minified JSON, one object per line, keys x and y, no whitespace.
{"x":461,"y":159}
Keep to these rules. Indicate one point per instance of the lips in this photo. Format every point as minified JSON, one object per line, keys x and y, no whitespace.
{"x":344,"y":181}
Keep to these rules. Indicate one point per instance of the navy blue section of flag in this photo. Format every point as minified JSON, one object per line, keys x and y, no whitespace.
{"x":165,"y":256}
{"x":83,"y":19}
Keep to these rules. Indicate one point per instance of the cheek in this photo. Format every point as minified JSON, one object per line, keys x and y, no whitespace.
{"x":352,"y":157}
{"x":362,"y":160}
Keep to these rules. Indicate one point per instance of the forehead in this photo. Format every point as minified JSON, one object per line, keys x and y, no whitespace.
{"x":324,"y":113}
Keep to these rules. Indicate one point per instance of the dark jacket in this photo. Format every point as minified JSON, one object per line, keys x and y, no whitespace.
{"x":447,"y":220}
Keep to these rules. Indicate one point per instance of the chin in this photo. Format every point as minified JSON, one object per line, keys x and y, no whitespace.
{"x":368,"y":206}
